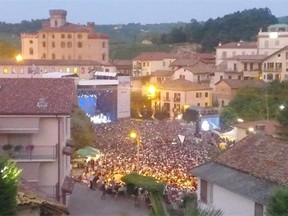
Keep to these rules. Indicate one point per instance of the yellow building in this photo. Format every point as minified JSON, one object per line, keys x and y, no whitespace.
{"x":175,"y":95}
{"x":61,"y":40}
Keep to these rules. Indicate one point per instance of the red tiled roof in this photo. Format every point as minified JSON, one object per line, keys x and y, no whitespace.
{"x":239,"y":45}
{"x":184,"y":62}
{"x":154,"y":56}
{"x":67,"y":27}
{"x":200,"y":68}
{"x":184,"y":85}
{"x":19,"y":96}
{"x":237,"y":84}
{"x":261,"y":156}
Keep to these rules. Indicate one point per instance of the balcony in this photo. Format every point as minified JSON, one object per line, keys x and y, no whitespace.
{"x":26,"y":153}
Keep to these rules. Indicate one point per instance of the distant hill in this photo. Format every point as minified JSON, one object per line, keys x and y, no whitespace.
{"x":125,"y":40}
{"x":283,"y":19}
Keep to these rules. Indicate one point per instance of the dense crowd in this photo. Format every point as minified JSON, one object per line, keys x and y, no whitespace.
{"x":162,"y":154}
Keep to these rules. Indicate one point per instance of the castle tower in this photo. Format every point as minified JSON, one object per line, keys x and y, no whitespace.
{"x":57,"y":18}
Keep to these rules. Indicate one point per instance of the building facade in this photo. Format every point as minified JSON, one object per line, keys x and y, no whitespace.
{"x":61,"y":40}
{"x":35,"y":119}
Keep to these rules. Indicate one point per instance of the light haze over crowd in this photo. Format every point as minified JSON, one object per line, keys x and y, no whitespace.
{"x":133,"y":11}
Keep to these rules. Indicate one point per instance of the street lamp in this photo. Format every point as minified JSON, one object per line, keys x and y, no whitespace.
{"x":134,"y":136}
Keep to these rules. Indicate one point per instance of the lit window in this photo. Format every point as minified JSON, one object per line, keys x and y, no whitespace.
{"x":75,"y":70}
{"x":14,"y":70}
{"x":68,"y":70}
{"x":21,"y":70}
{"x":5,"y":70}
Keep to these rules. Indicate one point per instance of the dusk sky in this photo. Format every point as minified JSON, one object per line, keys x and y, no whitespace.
{"x":133,"y":11}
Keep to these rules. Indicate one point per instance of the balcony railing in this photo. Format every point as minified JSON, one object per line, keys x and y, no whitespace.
{"x":32,"y":152}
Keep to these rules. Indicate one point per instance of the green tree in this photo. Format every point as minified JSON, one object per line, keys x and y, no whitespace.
{"x":138,"y":103}
{"x":278,"y":204}
{"x":7,"y":51}
{"x":283,"y":120}
{"x":228,"y":117}
{"x":9,"y":181}
{"x":82,"y":129}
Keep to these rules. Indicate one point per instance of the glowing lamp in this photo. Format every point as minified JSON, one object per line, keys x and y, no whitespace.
{"x":19,"y":58}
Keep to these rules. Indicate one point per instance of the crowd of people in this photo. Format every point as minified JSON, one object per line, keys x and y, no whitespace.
{"x":162,"y":154}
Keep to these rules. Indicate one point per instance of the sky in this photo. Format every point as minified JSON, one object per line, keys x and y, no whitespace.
{"x":133,"y":11}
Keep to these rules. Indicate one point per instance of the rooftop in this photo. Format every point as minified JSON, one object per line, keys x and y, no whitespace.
{"x":154,"y":56}
{"x":239,"y":45}
{"x":37,"y":96}
{"x":184,"y":85}
{"x":259,"y":155}
{"x":237,"y":84}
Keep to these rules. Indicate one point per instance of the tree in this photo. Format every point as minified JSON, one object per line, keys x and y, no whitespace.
{"x":278,"y":204}
{"x":282,"y":118}
{"x":228,"y":117}
{"x":82,"y":129}
{"x":9,"y":181}
{"x":138,"y":102}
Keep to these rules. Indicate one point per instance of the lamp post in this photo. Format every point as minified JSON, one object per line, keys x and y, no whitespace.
{"x":134,"y":136}
{"x":19,"y":59}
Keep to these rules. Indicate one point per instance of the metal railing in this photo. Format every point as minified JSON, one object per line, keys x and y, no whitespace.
{"x":34,"y":152}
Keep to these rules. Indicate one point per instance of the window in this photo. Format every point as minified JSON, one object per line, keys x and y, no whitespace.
{"x":62,"y":36}
{"x":221,"y":77}
{"x":269,"y":76}
{"x":222,"y":103}
{"x":167,"y":96}
{"x":198,"y":94}
{"x":53,"y":44}
{"x":79,"y":36}
{"x":79,"y":45}
{"x":69,"y":36}
{"x":229,"y":77}
{"x":286,"y":55}
{"x":62,"y":44}
{"x":53,"y":56}
{"x":103,"y":44}
{"x":44,"y":44}
{"x":198,"y":104}
{"x":278,"y":66}
{"x":182,"y":77}
{"x":235,"y":67}
{"x":224,"y":55}
{"x":75,"y":70}
{"x":245,"y":66}
{"x":53,"y":36}
{"x":31,"y":41}
{"x":55,"y":23}
{"x":239,"y":77}
{"x":14,"y":70}
{"x":5,"y":70}
{"x":270,"y":66}
{"x":259,"y":211}
{"x":31,"y":51}
{"x":30,"y":70}
{"x":103,"y":57}
{"x":176,"y":97}
{"x":43,"y":56}
{"x":206,"y":104}
{"x":164,"y":63}
{"x":206,"y":94}
{"x":43,"y":36}
{"x":251,"y":66}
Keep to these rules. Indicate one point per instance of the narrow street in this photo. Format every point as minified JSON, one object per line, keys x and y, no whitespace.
{"x":85,"y":202}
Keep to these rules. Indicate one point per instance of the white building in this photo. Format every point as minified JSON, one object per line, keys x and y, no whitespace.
{"x":241,"y":180}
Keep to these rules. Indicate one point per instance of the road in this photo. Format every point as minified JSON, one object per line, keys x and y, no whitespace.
{"x":85,"y":202}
